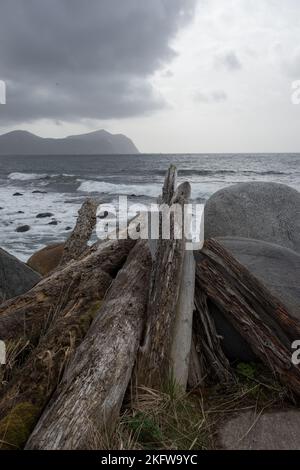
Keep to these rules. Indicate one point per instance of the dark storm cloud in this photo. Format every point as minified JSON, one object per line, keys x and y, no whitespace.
{"x":72,"y":59}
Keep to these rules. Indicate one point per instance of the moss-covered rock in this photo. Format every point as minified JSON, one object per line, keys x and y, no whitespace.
{"x":17,"y":426}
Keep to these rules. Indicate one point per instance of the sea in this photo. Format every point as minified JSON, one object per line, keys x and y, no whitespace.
{"x":58,"y":185}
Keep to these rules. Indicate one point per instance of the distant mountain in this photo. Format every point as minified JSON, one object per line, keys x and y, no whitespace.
{"x":94,"y":143}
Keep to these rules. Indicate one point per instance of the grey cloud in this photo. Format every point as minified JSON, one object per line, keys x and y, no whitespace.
{"x":291,"y":64}
{"x":69,"y":59}
{"x":216,"y":96}
{"x":230,"y":61}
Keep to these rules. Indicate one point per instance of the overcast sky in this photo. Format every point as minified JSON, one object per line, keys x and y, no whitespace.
{"x":174,"y":75}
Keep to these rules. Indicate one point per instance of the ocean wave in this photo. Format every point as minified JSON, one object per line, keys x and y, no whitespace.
{"x":190,"y":172}
{"x":26,"y":176}
{"x":41,"y":177}
{"x":200,"y":191}
{"x":149,"y":190}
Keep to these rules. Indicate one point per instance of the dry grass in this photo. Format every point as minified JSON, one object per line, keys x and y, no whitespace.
{"x":15,"y":352}
{"x":171,"y":419}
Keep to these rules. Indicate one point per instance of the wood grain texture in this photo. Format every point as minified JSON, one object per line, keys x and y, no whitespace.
{"x":90,"y":395}
{"x":154,"y":363}
{"x":252,"y":310}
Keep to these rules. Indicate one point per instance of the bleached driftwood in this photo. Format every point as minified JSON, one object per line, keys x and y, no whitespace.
{"x":27,"y":316}
{"x":34,"y":381}
{"x":155,"y":361}
{"x":90,"y":395}
{"x":182,"y":333}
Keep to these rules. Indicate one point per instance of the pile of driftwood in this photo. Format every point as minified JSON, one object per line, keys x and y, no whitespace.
{"x":117,"y":315}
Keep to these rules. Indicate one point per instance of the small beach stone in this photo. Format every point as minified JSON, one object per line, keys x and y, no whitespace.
{"x":17,"y":194}
{"x":37,"y":191}
{"x":53,"y":222}
{"x":44,"y":215}
{"x":103,"y":216}
{"x":23,"y":228}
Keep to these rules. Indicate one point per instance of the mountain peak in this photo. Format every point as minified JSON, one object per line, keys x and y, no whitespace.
{"x":20,"y":142}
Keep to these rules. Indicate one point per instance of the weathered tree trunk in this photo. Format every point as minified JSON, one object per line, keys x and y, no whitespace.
{"x":252,"y":310}
{"x":154,"y":362}
{"x":36,"y":379}
{"x":76,"y":244}
{"x":182,"y":333}
{"x":26,"y":316}
{"x":89,"y":398}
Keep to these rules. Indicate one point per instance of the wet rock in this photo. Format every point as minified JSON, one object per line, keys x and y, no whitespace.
{"x":46,"y":259}
{"x":103,"y":216}
{"x":257,"y":210}
{"x":17,"y":194}
{"x":37,"y":191}
{"x":23,"y":228}
{"x":53,"y":222}
{"x":44,"y":215}
{"x":278,"y":430}
{"x":16,"y":277}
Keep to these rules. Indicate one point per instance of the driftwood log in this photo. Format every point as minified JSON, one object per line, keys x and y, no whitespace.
{"x":183,"y":326}
{"x":252,"y":310}
{"x":34,"y":381}
{"x":77,"y":243}
{"x":89,"y":398}
{"x":111,"y":315}
{"x":155,"y":362}
{"x":26,"y":316}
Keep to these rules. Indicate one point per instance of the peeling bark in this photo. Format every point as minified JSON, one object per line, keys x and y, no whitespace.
{"x":252,"y":310}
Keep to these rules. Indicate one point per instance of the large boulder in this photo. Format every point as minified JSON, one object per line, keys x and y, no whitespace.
{"x":16,"y":277}
{"x":277,"y":268}
{"x":46,"y":259}
{"x":257,"y":210}
{"x":278,"y":430}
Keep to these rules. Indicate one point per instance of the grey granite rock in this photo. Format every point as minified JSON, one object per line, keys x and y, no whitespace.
{"x":278,"y":430}
{"x":257,"y":210}
{"x":16,"y":277}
